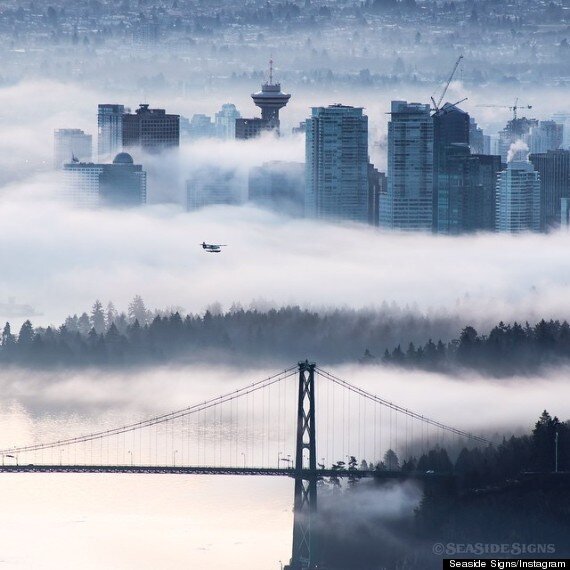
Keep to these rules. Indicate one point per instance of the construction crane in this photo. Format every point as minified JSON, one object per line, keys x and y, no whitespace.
{"x":514,"y":108}
{"x":436,"y":106}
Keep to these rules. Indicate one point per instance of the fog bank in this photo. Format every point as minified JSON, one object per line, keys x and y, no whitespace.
{"x":60,"y":260}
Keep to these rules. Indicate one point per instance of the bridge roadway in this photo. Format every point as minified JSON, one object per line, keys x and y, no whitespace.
{"x":189,"y":470}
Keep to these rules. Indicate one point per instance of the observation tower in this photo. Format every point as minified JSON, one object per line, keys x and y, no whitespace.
{"x":270,"y":99}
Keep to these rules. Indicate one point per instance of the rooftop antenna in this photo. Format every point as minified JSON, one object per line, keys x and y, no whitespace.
{"x":271,"y":71}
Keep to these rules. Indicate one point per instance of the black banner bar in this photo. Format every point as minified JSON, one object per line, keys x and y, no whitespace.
{"x":505,"y":564}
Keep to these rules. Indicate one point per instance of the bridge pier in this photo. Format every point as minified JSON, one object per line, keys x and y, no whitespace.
{"x":305,"y":555}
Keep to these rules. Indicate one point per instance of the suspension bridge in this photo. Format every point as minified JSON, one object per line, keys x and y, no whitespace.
{"x":267,"y":428}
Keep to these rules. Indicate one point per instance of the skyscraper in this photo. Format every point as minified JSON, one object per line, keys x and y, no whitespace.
{"x":409,"y":201}
{"x":81,"y":183}
{"x":516,"y":130}
{"x":200,"y":126}
{"x":152,"y":130}
{"x":451,"y":190}
{"x":518,"y":198}
{"x":554,"y":170}
{"x":480,"y":194}
{"x":547,"y":135}
{"x":123,"y":183}
{"x":251,"y":128}
{"x":376,"y":190}
{"x":476,"y":138}
{"x":110,"y":130}
{"x":564,"y":120}
{"x":337,"y":164}
{"x":120,"y":184}
{"x":209,"y":186}
{"x":451,"y":128}
{"x":69,"y":144}
{"x":226,"y":121}
{"x":565,"y":214}
{"x":279,"y":186}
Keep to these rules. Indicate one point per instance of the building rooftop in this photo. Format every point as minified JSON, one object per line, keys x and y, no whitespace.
{"x":123,"y":158}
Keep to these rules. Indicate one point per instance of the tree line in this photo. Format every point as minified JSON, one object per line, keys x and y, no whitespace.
{"x":499,"y":494}
{"x":506,"y":350}
{"x":139,"y":336}
{"x":106,"y":336}
{"x":545,"y":450}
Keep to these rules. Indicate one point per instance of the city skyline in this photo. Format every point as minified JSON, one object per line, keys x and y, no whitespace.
{"x":452,"y":198}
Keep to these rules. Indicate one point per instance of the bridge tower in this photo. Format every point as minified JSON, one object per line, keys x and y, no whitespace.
{"x":305,"y":550}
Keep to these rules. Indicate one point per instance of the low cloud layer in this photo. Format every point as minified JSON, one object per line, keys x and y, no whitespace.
{"x":78,"y":402}
{"x":61,"y":259}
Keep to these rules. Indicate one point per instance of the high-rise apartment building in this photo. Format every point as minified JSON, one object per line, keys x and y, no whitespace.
{"x":554,"y":170}
{"x":409,"y":201}
{"x":69,"y":144}
{"x":120,"y":184}
{"x":151,"y":130}
{"x":337,"y":164}
{"x":518,"y":198}
{"x":110,"y":130}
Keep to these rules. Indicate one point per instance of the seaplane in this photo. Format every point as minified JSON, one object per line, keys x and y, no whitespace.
{"x":212,"y":247}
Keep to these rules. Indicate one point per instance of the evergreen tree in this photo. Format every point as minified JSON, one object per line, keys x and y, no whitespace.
{"x":391,"y":461}
{"x":98,"y":317}
{"x":137,"y":311}
{"x":121,"y":323}
{"x":7,"y":336}
{"x":111,"y":315}
{"x":544,"y":442}
{"x":84,"y":324}
{"x":26,"y":335}
{"x":72,"y":323}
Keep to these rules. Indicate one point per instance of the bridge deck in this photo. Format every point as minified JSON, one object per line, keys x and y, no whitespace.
{"x":190,"y":470}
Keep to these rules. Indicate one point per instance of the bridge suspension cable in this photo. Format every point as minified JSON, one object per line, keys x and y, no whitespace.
{"x":409,"y":413}
{"x":163,"y":418}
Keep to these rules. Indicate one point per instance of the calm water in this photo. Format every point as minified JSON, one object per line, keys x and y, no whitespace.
{"x":89,"y":521}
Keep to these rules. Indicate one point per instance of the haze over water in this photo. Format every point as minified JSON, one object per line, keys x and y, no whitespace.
{"x":119,"y":522}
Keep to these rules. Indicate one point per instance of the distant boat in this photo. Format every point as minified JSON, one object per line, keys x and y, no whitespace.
{"x":11,"y":309}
